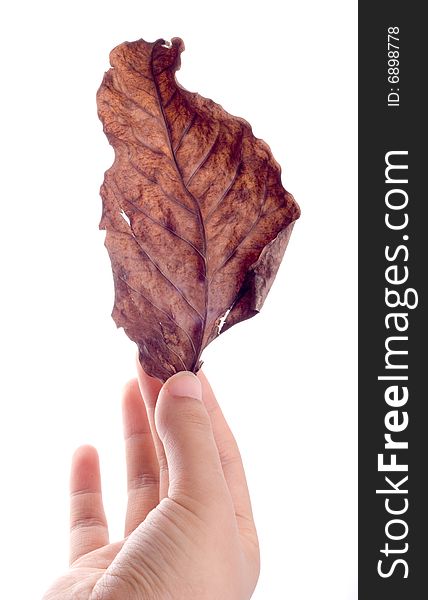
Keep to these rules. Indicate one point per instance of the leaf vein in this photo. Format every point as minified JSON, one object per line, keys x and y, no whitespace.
{"x":167,"y":194}
{"x":157,"y":267}
{"x":137,"y":104}
{"x":186,"y":333}
{"x":224,"y":194}
{"x":143,"y":212}
{"x":168,"y":102}
{"x":204,"y":159}
{"x":184,"y":133}
{"x":256,"y":222}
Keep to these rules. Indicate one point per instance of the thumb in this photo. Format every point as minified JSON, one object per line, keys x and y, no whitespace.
{"x":184,"y":427}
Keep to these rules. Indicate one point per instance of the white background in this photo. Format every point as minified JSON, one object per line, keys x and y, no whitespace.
{"x":286,"y":379}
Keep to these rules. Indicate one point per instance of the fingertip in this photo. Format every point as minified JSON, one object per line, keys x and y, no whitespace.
{"x":183,"y":384}
{"x":206,"y":386}
{"x":208,"y":395}
{"x":180,"y":405}
{"x":149,"y":386}
{"x":85,"y":453}
{"x":130,"y":387}
{"x":178,"y":391}
{"x":134,"y":413}
{"x":141,"y":374}
{"x":85,"y":469}
{"x":201,"y":375}
{"x":131,"y":394}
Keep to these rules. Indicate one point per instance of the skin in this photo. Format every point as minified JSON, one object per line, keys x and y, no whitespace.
{"x":189,"y":528}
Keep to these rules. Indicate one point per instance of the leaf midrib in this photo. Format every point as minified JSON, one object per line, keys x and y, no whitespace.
{"x":198,"y":211}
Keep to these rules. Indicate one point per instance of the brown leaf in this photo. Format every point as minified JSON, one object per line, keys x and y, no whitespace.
{"x":196,"y":216}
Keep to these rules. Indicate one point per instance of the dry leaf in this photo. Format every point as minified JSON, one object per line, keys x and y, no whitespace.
{"x":196,"y":216}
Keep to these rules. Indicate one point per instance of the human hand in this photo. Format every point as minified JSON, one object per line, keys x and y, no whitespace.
{"x":189,"y":530}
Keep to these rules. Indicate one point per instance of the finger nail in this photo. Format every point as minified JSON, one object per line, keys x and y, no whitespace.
{"x":184,"y":384}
